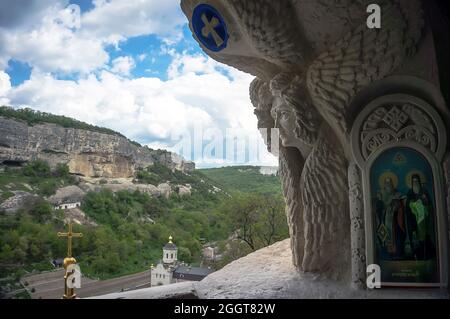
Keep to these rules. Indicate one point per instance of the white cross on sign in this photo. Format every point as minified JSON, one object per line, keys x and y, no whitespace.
{"x":209,"y":28}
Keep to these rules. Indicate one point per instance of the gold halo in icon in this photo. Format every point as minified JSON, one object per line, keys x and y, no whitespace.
{"x":387,"y":175}
{"x":408,"y":182}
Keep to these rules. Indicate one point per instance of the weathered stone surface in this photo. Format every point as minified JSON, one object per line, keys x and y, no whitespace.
{"x":68,"y":194}
{"x":184,"y":190}
{"x":267,"y":273}
{"x":16,"y":202}
{"x":182,"y":290}
{"x":165,"y":189}
{"x":87,"y":153}
{"x":77,"y":216}
{"x":129,"y":186}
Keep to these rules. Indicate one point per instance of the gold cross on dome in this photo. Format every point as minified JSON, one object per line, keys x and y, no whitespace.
{"x":69,"y":236}
{"x":209,"y":28}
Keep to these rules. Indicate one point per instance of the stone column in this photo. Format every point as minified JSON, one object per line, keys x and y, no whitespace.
{"x":358,"y":265}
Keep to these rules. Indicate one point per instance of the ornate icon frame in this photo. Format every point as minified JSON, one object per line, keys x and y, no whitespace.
{"x":430,"y":144}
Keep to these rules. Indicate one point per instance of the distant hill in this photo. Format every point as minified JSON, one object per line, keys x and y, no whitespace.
{"x":33,"y":117}
{"x":246,"y":179}
{"x":88,"y":150}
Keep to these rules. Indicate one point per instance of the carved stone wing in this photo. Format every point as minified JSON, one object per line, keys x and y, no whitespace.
{"x":363,"y":56}
{"x":271,"y":28}
{"x":324,"y":199}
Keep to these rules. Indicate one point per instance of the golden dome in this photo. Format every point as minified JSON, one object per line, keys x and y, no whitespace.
{"x":68,"y":261}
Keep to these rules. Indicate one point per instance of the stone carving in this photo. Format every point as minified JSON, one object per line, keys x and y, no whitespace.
{"x":358,"y":59}
{"x":397,"y":118}
{"x":314,"y":174}
{"x":394,"y":122}
{"x":278,"y":40}
{"x":357,"y":226}
{"x":308,"y":72}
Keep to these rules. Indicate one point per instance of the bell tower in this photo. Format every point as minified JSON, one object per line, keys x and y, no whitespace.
{"x":170,"y":251}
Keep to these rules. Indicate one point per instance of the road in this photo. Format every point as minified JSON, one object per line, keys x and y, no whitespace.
{"x":50,"y":285}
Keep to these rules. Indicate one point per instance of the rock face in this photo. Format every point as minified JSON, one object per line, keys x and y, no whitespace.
{"x":87,"y":153}
{"x":14,"y":203}
{"x":77,"y":216}
{"x":184,"y":190}
{"x":68,"y":194}
{"x":165,"y":189}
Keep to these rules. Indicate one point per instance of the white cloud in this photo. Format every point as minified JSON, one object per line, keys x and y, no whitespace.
{"x":117,"y":18}
{"x":21,"y":14}
{"x":53,"y":45}
{"x":123,"y":65}
{"x":142,"y":57}
{"x":52,"y":38}
{"x":5,"y":87}
{"x":183,"y":64}
{"x":148,"y":109}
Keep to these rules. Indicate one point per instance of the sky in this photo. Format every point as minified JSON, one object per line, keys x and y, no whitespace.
{"x":131,"y":66}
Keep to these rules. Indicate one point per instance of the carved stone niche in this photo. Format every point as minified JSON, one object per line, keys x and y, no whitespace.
{"x":398,"y":141}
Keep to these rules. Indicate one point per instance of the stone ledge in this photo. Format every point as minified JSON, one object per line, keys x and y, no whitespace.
{"x":269,"y":273}
{"x":182,"y":290}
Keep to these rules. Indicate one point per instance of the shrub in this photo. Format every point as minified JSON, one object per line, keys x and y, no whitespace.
{"x":40,"y":209}
{"x":62,"y":170}
{"x":6,"y":195}
{"x":37,"y":168}
{"x":48,"y":188}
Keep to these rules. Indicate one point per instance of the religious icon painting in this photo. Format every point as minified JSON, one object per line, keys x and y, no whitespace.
{"x":404,"y":216}
{"x":399,"y":142}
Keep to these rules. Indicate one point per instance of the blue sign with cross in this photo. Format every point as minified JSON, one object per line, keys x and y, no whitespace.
{"x":210,"y":27}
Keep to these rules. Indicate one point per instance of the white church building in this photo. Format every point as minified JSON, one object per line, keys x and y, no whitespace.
{"x":169,"y":270}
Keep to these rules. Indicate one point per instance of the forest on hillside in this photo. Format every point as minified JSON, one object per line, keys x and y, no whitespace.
{"x":238,"y":219}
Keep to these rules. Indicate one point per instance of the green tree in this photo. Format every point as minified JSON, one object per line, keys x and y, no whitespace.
{"x":6,"y":254}
{"x":41,"y":210}
{"x":48,"y":187}
{"x":62,"y":170}
{"x":184,"y":254}
{"x":37,"y":168}
{"x":258,"y":221}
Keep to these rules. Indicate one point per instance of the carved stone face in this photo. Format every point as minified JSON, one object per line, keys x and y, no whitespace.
{"x":285,"y":121}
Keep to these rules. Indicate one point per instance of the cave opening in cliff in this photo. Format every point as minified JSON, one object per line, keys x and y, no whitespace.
{"x":12,"y":163}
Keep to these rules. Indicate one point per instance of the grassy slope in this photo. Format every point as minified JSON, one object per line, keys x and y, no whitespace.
{"x":245,"y":179}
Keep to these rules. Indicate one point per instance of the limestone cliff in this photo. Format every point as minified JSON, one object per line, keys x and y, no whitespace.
{"x":87,"y":153}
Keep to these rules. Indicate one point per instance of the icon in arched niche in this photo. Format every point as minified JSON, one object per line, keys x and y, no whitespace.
{"x":403,"y":207}
{"x":398,"y":142}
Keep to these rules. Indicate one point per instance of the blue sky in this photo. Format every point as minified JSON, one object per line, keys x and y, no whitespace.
{"x":145,"y":50}
{"x":132,"y":66}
